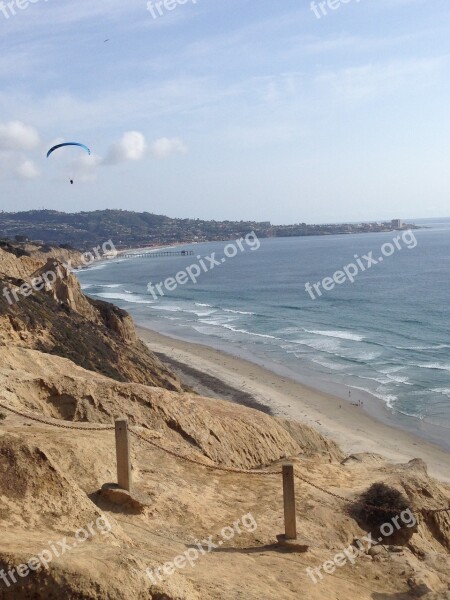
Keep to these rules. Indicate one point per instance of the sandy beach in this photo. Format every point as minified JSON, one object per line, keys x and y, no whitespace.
{"x":217,"y":374}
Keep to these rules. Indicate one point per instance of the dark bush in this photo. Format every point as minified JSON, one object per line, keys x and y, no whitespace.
{"x":381,"y":505}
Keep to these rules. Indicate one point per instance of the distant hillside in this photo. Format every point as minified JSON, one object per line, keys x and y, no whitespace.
{"x":125,"y":228}
{"x":130,"y":229}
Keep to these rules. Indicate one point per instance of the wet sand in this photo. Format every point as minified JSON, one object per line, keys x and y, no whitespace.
{"x":211,"y":372}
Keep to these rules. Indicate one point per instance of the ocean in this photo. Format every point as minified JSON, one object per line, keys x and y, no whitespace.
{"x":383,"y":339}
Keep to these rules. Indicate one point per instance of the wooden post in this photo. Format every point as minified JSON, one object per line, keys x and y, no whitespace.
{"x":290,"y":522}
{"x":123,"y":455}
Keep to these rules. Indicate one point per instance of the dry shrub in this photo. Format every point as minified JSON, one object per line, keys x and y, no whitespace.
{"x":381,"y":505}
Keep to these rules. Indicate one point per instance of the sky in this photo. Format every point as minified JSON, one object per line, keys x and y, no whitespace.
{"x":267,"y":110}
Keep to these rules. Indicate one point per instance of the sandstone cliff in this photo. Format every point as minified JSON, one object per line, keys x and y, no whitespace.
{"x":59,"y":319}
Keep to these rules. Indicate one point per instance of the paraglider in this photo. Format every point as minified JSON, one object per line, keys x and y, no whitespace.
{"x":67,"y":144}
{"x":58,"y":146}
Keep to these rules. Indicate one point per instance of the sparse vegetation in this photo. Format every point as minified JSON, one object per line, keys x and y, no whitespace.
{"x":388,"y":504}
{"x":391,"y":501}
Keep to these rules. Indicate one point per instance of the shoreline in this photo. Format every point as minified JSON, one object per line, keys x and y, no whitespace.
{"x":212,"y":372}
{"x":230,"y":239}
{"x":152,"y":248}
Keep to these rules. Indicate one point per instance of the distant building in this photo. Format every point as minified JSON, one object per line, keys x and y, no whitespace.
{"x":397,"y":223}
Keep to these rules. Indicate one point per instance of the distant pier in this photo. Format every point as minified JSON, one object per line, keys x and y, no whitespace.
{"x":157,"y":254}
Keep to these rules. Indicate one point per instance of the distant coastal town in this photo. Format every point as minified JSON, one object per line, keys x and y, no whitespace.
{"x":131,"y":229}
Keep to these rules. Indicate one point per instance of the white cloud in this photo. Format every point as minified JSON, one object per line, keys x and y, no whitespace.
{"x":15,"y":135}
{"x":84,"y":168}
{"x":165,"y":147}
{"x":27,"y":170}
{"x":17,"y":166}
{"x":16,"y":138}
{"x":131,"y":147}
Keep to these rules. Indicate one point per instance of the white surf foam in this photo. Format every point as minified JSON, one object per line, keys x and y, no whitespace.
{"x":237,"y":312}
{"x":342,"y":335}
{"x":436,"y":366}
{"x":443,"y":391}
{"x":132,"y":298}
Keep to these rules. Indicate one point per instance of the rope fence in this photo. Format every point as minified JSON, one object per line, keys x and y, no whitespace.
{"x":52,"y":424}
{"x":279,"y":472}
{"x":123,"y":452}
{"x":202,"y":464}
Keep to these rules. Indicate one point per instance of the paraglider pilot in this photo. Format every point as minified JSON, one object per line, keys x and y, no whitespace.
{"x":68,"y":144}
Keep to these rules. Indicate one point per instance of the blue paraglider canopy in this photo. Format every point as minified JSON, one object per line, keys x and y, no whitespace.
{"x":68,"y":144}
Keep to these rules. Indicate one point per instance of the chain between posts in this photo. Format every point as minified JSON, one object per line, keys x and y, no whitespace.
{"x":60,"y":425}
{"x":202,"y":464}
{"x":424,"y":511}
{"x":249,"y":472}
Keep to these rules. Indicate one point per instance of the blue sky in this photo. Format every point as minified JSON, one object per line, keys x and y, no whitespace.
{"x":228,"y":109}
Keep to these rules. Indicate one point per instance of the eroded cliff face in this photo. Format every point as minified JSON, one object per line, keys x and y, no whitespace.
{"x":59,"y":284}
{"x":16,"y":264}
{"x":32,"y":256}
{"x":58,"y":319}
{"x":216,"y":430}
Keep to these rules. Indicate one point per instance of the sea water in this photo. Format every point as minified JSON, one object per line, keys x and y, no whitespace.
{"x":386,"y":334}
